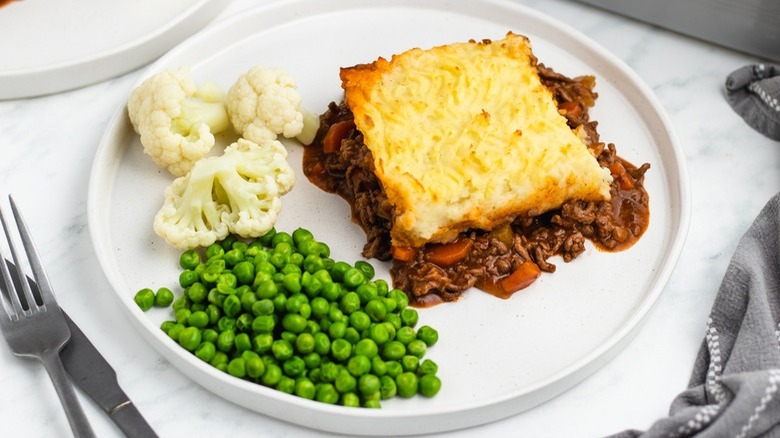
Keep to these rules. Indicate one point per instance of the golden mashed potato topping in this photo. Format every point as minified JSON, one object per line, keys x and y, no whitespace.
{"x":465,"y":136}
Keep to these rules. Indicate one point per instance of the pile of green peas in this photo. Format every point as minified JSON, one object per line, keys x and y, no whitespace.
{"x":278,"y":311}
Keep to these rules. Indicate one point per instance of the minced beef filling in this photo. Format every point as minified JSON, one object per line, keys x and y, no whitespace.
{"x":492,"y":256}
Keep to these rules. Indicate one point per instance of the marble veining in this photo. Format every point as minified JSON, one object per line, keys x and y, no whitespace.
{"x":46,"y":150}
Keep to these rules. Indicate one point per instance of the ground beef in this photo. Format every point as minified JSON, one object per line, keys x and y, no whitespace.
{"x":610,"y":225}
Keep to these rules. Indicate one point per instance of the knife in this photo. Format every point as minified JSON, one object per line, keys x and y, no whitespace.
{"x":93,"y":374}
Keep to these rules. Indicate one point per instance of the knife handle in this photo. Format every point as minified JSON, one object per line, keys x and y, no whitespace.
{"x":131,"y":422}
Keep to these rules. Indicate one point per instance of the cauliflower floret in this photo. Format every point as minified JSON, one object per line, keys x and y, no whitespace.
{"x":267,"y":98}
{"x":177,"y":118}
{"x":238,"y":192}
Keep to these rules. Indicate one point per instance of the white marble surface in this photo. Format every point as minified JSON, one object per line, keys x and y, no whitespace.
{"x":46,"y":150}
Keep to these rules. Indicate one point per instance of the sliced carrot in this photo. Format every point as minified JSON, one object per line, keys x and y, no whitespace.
{"x":572,"y":109}
{"x":403,"y":253}
{"x":619,"y":172}
{"x":524,"y":275}
{"x":447,"y":254}
{"x":336,"y":133}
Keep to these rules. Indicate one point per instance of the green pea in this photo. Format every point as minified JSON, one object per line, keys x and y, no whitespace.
{"x":341,"y":349}
{"x":294,"y":322}
{"x":272,"y":375}
{"x":390,"y":328}
{"x":429,"y":385}
{"x":393,"y":350}
{"x":313,"y":360}
{"x":292,"y":282}
{"x":410,"y":363}
{"x":377,"y":310}
{"x":215,"y":297}
{"x":294,"y":366}
{"x":366,"y":292}
{"x":387,"y":387}
{"x":262,"y":343}
{"x":226,"y":323}
{"x":242,"y":342}
{"x":405,"y":335}
{"x":390,"y":304}
{"x":331,"y":291}
{"x":305,"y":388}
{"x":219,"y":358}
{"x":428,"y":335}
{"x":182,"y":315}
{"x":400,"y":297}
{"x":351,"y":335}
{"x":416,"y":348}
{"x":367,"y":347}
{"x":366,"y":268}
{"x":265,"y":266}
{"x":210,"y":335}
{"x":372,"y":403}
{"x":350,"y":302}
{"x":409,"y":317}
{"x":345,"y":382}
{"x":279,"y":259}
{"x":145,"y":299}
{"x":226,"y":282}
{"x":232,"y":305}
{"x":311,"y":285}
{"x":368,"y":384}
{"x":379,"y":334}
{"x":394,"y":368}
{"x":329,"y":371}
{"x":240,"y":245}
{"x":249,"y":354}
{"x":263,"y":324}
{"x":351,"y":400}
{"x":214,"y":250}
{"x":281,"y":237}
{"x":313,"y":263}
{"x":226,"y":341}
{"x":282,"y":349}
{"x":266,"y":238}
{"x":198,"y":319}
{"x":304,"y":343}
{"x":337,"y":330}
{"x":228,"y":241}
{"x":175,"y":330}
{"x":309,"y":247}
{"x":237,"y":367}
{"x":248,"y":299}
{"x":319,"y":307}
{"x":286,"y":385}
{"x":255,"y":367}
{"x":189,"y":259}
{"x":188,"y":278}
{"x":378,"y":366}
{"x":359,"y":320}
{"x":326,"y":393}
{"x":197,"y":292}
{"x":206,"y":351}
{"x":263,"y":307}
{"x":321,"y":343}
{"x":301,"y":234}
{"x":338,"y":270}
{"x":353,"y":278}
{"x":358,"y":365}
{"x":267,"y":289}
{"x":233,"y":257}
{"x":394,"y":319}
{"x":407,"y":384}
{"x":190,"y":338}
{"x":244,"y":272}
{"x":166,"y":326}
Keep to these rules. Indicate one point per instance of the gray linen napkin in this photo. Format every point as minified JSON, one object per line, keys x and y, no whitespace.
{"x":734,"y":390}
{"x":753,"y":92}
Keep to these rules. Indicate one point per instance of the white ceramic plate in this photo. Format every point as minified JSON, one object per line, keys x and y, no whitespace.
{"x":51,"y":46}
{"x":496,"y":357}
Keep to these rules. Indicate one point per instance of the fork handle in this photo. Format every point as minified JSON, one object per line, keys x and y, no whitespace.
{"x":70,"y":402}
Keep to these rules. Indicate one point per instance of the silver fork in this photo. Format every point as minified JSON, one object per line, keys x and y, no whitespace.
{"x":34,"y":326}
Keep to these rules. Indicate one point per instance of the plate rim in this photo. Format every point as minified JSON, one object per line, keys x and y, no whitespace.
{"x":497,"y":408}
{"x":70,"y":74}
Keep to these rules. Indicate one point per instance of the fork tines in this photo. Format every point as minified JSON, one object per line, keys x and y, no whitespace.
{"x":23,"y":300}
